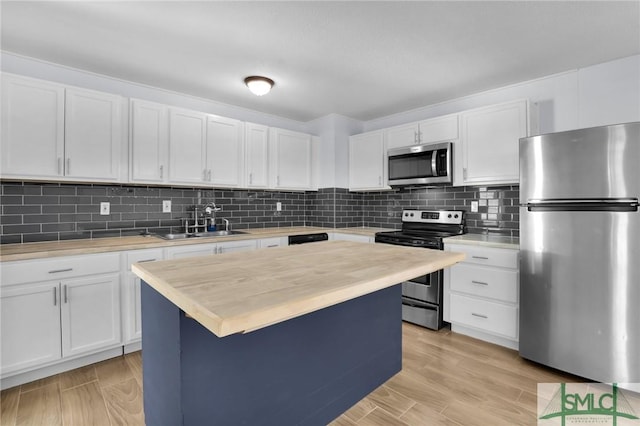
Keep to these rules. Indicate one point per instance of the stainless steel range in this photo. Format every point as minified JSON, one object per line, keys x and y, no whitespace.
{"x":422,"y":296}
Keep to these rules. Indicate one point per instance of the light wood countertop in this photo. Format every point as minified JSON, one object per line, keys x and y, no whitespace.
{"x":484,"y":240}
{"x":48,"y":249}
{"x":244,"y":291}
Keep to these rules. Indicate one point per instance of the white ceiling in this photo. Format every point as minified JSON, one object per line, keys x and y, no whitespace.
{"x":360,"y":59}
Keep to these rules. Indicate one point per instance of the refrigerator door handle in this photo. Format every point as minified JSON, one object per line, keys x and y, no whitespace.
{"x":583,"y":204}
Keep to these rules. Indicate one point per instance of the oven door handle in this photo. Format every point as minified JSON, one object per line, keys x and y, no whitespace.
{"x":418,"y":304}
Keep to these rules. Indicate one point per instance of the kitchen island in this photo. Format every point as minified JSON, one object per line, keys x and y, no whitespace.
{"x":291,"y":335}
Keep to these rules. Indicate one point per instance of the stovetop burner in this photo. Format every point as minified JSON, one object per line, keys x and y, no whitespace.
{"x":425,"y":228}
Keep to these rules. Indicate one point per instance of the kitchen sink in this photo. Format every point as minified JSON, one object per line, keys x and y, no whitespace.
{"x":182,"y":235}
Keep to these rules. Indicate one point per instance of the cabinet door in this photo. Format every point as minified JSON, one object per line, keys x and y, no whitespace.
{"x":490,"y":138}
{"x":225,"y":151}
{"x":30,"y":325}
{"x":367,"y":159}
{"x":438,"y":129}
{"x":191,"y":251}
{"x":257,"y":157}
{"x":231,"y":246}
{"x":131,"y":306}
{"x":291,"y":159}
{"x":187,"y":146}
{"x":149,"y":142}
{"x":93,"y":127}
{"x":90,"y":314}
{"x":32,"y":128}
{"x":133,"y":317}
{"x":400,"y":136}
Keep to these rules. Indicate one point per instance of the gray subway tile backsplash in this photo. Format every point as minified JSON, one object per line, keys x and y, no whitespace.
{"x":46,"y":211}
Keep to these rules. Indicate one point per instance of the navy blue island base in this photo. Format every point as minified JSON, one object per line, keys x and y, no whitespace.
{"x":304,"y":371}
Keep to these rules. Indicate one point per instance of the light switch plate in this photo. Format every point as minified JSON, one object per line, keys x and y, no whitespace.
{"x":279,"y":206}
{"x":105,"y":208}
{"x":166,"y":206}
{"x":474,"y":207}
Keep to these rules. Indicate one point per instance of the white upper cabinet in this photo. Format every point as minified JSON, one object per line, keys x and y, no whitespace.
{"x":93,"y":135}
{"x":427,"y":131}
{"x":32,"y":128}
{"x":53,"y":132}
{"x":367,"y":162}
{"x":490,"y":139}
{"x":187,"y":146}
{"x":257,"y":156}
{"x":290,"y":160}
{"x":149,"y":146}
{"x":225,"y":151}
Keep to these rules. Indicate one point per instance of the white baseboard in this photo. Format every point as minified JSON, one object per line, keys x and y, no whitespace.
{"x":61,"y":367}
{"x":502,"y":341}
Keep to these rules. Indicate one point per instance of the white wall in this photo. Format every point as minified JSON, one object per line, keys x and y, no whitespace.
{"x":334,"y":131}
{"x":609,"y":93}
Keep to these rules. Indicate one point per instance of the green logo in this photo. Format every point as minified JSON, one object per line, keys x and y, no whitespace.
{"x":588,"y":404}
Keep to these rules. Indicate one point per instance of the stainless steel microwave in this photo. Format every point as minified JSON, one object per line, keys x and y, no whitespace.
{"x":428,"y":164}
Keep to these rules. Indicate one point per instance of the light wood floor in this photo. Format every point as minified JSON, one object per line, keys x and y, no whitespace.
{"x":447,"y":379}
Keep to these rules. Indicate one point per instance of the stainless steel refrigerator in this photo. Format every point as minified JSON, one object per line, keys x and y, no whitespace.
{"x":580,"y":252}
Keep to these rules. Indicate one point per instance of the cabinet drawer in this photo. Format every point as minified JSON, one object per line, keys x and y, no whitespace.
{"x":139,"y":256}
{"x":488,"y":316}
{"x":271,"y":242}
{"x":500,"y":284}
{"x":503,"y":258}
{"x":59,"y":268}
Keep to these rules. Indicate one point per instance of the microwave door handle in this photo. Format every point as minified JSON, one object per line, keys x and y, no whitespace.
{"x":434,"y":163}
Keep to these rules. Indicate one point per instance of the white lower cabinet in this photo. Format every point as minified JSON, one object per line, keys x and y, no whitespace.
{"x":232,"y":246}
{"x":54,"y":310}
{"x":31,"y":332}
{"x":90,"y":313}
{"x":131,"y":301}
{"x":481,"y":296}
{"x":273,"y":242}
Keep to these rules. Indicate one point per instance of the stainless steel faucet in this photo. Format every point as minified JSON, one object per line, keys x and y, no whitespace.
{"x":226,"y":223}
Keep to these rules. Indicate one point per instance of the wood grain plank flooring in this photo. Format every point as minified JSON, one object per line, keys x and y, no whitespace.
{"x":447,"y":379}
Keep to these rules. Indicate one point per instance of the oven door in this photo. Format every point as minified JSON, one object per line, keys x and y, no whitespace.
{"x":425,"y":288}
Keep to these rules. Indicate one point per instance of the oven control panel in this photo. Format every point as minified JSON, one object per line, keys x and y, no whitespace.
{"x":450,"y":217}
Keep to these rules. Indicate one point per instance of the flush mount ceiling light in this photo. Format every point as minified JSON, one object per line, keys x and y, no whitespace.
{"x":259,"y":85}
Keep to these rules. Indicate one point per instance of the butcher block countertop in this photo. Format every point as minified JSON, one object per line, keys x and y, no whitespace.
{"x":48,"y":249}
{"x":245,"y":291}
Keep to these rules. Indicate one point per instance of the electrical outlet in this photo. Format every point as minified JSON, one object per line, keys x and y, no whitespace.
{"x":166,"y":206}
{"x":474,"y":207}
{"x":105,"y":209}
{"x":279,"y":206}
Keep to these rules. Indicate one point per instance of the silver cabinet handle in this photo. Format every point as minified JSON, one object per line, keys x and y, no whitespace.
{"x":161,"y":172}
{"x":480,"y":257}
{"x":146,"y":260}
{"x":250,"y":178}
{"x":55,"y":296}
{"x":64,"y":289}
{"x":59,"y":165}
{"x":68,"y":166}
{"x":479,"y":315}
{"x":379,"y":180}
{"x":204,"y":174}
{"x":415,"y":137}
{"x":56,"y":271}
{"x":464,"y":173}
{"x":419,"y":136}
{"x":272,"y":245}
{"x":209,"y":175}
{"x":479,"y":282}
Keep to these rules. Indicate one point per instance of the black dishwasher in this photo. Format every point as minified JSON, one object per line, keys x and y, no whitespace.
{"x":308,"y":238}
